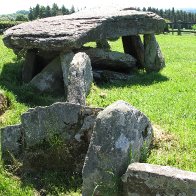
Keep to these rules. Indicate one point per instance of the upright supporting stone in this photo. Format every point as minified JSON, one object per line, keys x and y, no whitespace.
{"x":103,"y":44}
{"x":133,"y":45}
{"x":29,"y":65}
{"x":80,"y":77}
{"x":153,"y":58}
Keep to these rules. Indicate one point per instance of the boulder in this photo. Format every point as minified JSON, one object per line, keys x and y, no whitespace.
{"x":72,"y":31}
{"x":103,"y":59}
{"x":153,"y":58}
{"x":50,"y":79}
{"x":80,"y":78}
{"x":103,"y":44}
{"x":56,"y":136}
{"x":147,"y":179}
{"x":120,"y":133}
{"x":3,"y":103}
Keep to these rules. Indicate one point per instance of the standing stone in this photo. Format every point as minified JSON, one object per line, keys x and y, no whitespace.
{"x":153,"y":58}
{"x":50,"y":79}
{"x":146,"y":179}
{"x":119,"y":135}
{"x":80,"y":78}
{"x":29,"y":66}
{"x":133,"y":45}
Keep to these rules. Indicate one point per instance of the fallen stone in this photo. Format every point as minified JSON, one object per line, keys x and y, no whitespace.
{"x":72,"y":31}
{"x":110,"y":76}
{"x":103,"y":59}
{"x":119,"y":135}
{"x":153,"y":58}
{"x":3,"y":103}
{"x":80,"y":78}
{"x":147,"y":179}
{"x":50,"y":79}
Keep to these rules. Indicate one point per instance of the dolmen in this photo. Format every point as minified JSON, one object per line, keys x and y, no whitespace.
{"x":56,"y":59}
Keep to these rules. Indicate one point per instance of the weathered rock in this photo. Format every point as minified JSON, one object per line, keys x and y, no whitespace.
{"x":119,"y":135}
{"x":12,"y":141}
{"x":153,"y":58}
{"x":80,"y":78}
{"x":3,"y":103}
{"x":103,"y":44}
{"x":50,"y":79}
{"x":57,"y":133}
{"x":134,"y":46}
{"x":110,"y":76}
{"x":72,"y":31}
{"x":145,"y":179}
{"x":103,"y":59}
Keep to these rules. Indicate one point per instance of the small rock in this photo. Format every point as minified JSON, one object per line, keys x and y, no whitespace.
{"x":3,"y":103}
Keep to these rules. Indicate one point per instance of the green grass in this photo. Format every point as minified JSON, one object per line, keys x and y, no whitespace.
{"x":167,"y":98}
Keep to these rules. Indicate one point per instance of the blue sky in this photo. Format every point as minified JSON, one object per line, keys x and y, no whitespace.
{"x":11,"y":6}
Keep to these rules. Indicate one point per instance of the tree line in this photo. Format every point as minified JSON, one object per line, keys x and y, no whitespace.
{"x":173,"y":15}
{"x":40,"y":11}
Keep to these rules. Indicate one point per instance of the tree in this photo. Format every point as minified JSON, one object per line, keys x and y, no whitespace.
{"x":21,"y":17}
{"x":48,"y":11}
{"x":72,"y":10}
{"x":54,"y":10}
{"x":30,"y":15}
{"x":36,"y":11}
{"x":64,"y":10}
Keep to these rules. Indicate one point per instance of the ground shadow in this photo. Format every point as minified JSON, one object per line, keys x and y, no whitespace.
{"x":11,"y":80}
{"x":137,"y":78}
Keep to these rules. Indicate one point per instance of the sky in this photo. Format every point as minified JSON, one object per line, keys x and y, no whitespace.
{"x":11,"y":6}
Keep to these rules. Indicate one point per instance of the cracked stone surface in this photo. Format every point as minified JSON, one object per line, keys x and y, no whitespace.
{"x":72,"y":31}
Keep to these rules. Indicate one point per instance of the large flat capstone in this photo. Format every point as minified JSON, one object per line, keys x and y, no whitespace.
{"x":72,"y":31}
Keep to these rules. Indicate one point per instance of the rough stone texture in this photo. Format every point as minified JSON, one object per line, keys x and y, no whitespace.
{"x":72,"y":31}
{"x":133,"y":45}
{"x":80,"y":78}
{"x":103,"y":59}
{"x":50,"y":79}
{"x":66,"y":59}
{"x":109,"y":76}
{"x":49,"y":135}
{"x":153,"y":58}
{"x":103,"y":44}
{"x":119,"y":135}
{"x":28,"y":70}
{"x":3,"y":103}
{"x":11,"y":140}
{"x":143,"y":179}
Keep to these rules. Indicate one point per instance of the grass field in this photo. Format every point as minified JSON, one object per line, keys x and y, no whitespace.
{"x":167,"y":98}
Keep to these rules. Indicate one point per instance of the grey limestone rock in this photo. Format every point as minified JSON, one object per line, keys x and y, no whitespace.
{"x":72,"y":31}
{"x":103,"y":59}
{"x":119,"y":135}
{"x":153,"y":58}
{"x":80,"y":78}
{"x":50,"y":79}
{"x":146,"y":179}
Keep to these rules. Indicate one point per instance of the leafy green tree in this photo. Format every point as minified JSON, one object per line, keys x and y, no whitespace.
{"x":21,"y":17}
{"x":64,"y":10}
{"x":54,"y":10}
{"x":48,"y":11}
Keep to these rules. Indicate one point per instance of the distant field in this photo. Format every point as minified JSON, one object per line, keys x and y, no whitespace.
{"x":167,"y":98}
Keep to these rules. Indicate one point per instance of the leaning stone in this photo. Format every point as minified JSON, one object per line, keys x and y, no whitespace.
{"x":147,"y":179}
{"x":119,"y":135}
{"x":133,"y":45}
{"x":103,"y":59}
{"x":29,"y":66}
{"x":50,"y":79}
{"x":153,"y":58}
{"x":70,"y":32}
{"x":110,"y":76}
{"x":12,"y":141}
{"x":80,"y":78}
{"x":3,"y":103}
